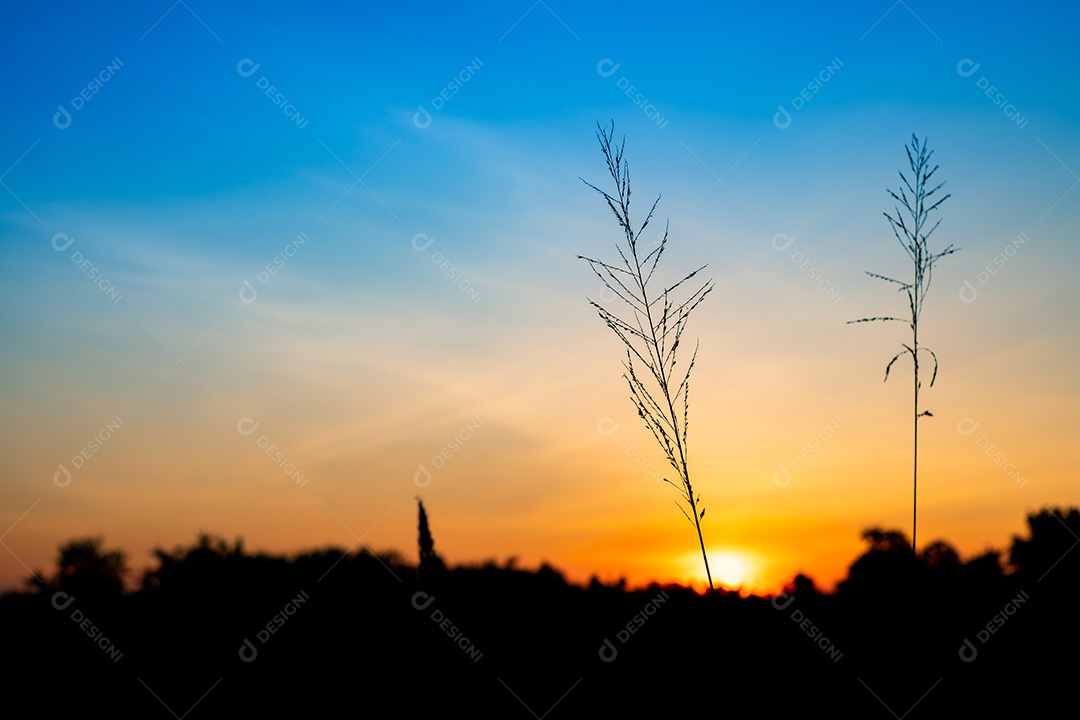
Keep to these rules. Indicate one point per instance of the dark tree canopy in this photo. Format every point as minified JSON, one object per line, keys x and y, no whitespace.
{"x":85,"y":568}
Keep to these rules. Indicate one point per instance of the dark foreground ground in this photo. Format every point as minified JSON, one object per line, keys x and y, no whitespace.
{"x":215,"y":632}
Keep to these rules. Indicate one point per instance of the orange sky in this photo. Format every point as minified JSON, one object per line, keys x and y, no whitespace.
{"x":547,"y":464}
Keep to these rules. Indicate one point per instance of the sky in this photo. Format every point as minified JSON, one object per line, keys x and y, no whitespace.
{"x":273,"y":271}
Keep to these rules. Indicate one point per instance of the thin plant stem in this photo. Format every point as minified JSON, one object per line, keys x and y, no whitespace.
{"x":910,"y":229}
{"x":915,"y":448}
{"x":651,"y":332}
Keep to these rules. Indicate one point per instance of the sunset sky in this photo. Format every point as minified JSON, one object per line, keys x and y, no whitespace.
{"x":352,"y":233}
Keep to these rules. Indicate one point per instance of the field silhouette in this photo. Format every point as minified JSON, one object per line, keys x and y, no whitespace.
{"x":216,"y":631}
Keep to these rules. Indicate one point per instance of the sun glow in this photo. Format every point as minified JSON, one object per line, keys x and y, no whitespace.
{"x":730,"y":570}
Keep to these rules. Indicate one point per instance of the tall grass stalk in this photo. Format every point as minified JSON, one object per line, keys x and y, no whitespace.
{"x":651,"y":327}
{"x":911,"y":227}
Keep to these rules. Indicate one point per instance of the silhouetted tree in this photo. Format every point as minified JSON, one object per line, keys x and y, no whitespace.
{"x":210,"y":563}
{"x":86,"y":570}
{"x":984,"y":581}
{"x":940,"y":568}
{"x":940,"y":555}
{"x":431,"y":565}
{"x":886,"y":541}
{"x":885,"y":568}
{"x":986,"y":566}
{"x":802,"y":587}
{"x":1049,"y":549}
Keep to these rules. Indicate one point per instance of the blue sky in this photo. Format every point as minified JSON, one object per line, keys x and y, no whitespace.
{"x":179,"y":179}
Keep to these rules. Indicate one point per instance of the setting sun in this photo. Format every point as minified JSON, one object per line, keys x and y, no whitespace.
{"x":730,"y":570}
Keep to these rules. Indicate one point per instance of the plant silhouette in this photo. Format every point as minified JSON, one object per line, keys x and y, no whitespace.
{"x":912,"y":229}
{"x":652,"y":331}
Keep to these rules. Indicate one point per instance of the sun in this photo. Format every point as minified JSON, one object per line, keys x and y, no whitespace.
{"x":731,"y":570}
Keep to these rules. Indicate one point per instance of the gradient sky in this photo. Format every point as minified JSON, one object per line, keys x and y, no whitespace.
{"x":412,"y":181}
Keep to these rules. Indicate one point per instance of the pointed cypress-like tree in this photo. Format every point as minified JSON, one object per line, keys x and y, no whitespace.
{"x":431,"y":565}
